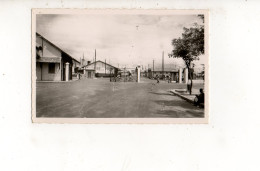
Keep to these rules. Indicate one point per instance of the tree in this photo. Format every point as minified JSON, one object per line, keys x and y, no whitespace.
{"x":190,"y":46}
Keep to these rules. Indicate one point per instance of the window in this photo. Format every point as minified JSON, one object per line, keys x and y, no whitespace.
{"x":51,"y":68}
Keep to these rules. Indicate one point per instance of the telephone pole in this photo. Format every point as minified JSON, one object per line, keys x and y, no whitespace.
{"x":153,"y":67}
{"x":162,"y":62}
{"x":95,"y":62}
{"x":105,"y":66}
{"x":83,"y":60}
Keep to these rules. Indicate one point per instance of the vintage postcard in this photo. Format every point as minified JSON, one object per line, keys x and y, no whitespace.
{"x":120,"y":66}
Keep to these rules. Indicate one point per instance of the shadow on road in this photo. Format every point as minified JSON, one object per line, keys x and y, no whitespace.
{"x":171,"y":103}
{"x":169,"y":113}
{"x":167,"y":94}
{"x":178,"y":109}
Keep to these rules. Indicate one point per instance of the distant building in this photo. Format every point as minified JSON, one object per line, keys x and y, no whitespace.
{"x":166,"y":74}
{"x":51,"y":61}
{"x":100,"y":69}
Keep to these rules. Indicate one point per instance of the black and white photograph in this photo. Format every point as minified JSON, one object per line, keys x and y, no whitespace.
{"x":120,"y":66}
{"x":129,"y":85}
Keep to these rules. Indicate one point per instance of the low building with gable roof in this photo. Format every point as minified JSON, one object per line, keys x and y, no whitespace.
{"x":51,"y":61}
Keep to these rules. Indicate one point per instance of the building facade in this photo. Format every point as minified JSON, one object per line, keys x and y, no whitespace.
{"x":51,"y":61}
{"x":100,"y":69}
{"x":167,"y":74}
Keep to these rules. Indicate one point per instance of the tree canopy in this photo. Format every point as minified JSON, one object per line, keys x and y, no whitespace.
{"x":190,"y":45}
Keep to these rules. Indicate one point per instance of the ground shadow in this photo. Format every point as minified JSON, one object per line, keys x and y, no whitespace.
{"x":175,"y":114}
{"x":167,"y":94}
{"x":174,"y":103}
{"x":187,"y":109}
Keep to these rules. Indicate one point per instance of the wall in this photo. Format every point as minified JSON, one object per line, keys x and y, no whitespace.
{"x":100,"y":68}
{"x":83,"y":76}
{"x":48,"y":49}
{"x":46,"y":76}
{"x":38,"y":72}
{"x":75,"y":64}
{"x":38,"y":41}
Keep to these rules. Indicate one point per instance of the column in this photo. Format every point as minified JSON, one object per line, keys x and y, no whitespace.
{"x":180,"y":75}
{"x":84,"y":71}
{"x":67,"y":71}
{"x":138,"y":74}
{"x":186,"y":78}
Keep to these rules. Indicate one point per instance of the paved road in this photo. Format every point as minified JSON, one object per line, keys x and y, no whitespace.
{"x":99,"y":98}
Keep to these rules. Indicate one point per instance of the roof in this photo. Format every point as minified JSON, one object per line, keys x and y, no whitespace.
{"x":56,"y":47}
{"x":101,"y":62}
{"x":49,"y":59}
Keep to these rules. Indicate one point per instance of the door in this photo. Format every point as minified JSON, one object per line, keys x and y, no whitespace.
{"x":64,"y":71}
{"x":70,"y":72}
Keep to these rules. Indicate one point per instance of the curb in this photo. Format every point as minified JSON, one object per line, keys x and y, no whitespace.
{"x":181,"y":96}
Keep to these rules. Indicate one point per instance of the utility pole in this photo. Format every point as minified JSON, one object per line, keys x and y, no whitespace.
{"x":148,"y":73}
{"x":110,"y":74}
{"x":95,"y":63}
{"x":83,"y":60}
{"x":163,"y":62}
{"x":105,"y":66}
{"x":42,"y":47}
{"x":153,"y":67}
{"x":124,"y":74}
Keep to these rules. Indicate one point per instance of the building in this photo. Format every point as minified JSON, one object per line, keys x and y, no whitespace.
{"x":166,"y":74}
{"x":51,"y":61}
{"x":100,"y":69}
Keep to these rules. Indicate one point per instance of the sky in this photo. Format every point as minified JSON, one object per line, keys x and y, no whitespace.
{"x":122,"y":40}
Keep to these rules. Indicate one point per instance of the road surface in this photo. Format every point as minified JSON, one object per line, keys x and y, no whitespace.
{"x":99,"y":98}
